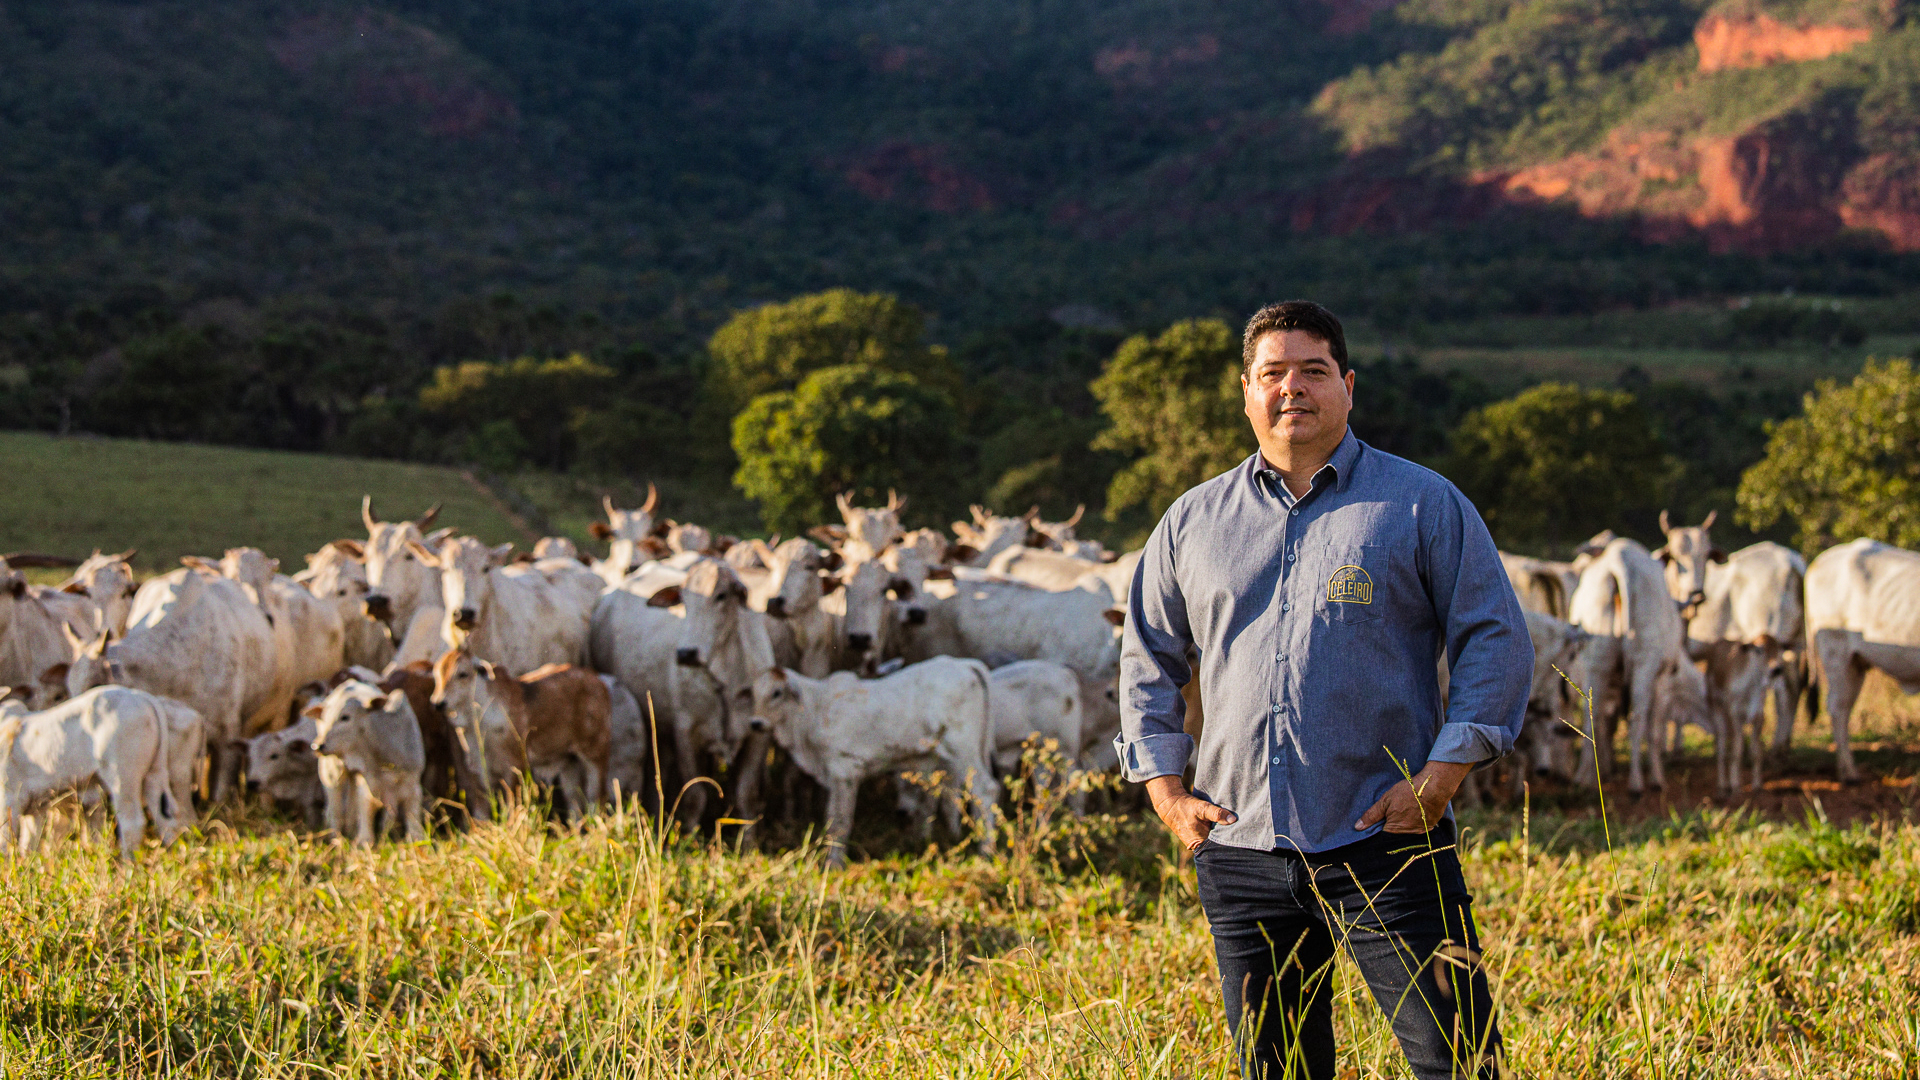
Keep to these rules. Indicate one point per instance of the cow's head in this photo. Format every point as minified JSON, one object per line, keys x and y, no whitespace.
{"x":249,"y":566}
{"x":397,"y":581}
{"x":555,"y":547}
{"x":1057,"y":534}
{"x":869,"y":530}
{"x":466,"y":587}
{"x":626,"y":524}
{"x":683,"y":537}
{"x":282,"y":763}
{"x":337,"y":574}
{"x":715,"y":600}
{"x":108,"y":581}
{"x":350,"y":712}
{"x":908,"y":584}
{"x":871,"y":589}
{"x":793,"y":570}
{"x":776,"y":701}
{"x":989,"y":535}
{"x":1686,"y":554}
{"x":93,"y":663}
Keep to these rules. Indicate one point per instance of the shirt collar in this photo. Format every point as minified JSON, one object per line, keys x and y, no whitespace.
{"x":1345,"y":457}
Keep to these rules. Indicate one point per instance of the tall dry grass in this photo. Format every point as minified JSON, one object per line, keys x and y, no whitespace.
{"x":1709,"y":945}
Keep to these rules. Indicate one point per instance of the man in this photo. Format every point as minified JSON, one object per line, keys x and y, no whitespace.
{"x":1319,"y":581}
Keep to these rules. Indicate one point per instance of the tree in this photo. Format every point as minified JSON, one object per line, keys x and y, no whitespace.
{"x":1558,"y":463}
{"x":1847,"y":467}
{"x":518,"y":409}
{"x":854,"y":428}
{"x":775,"y":347}
{"x":1175,"y":401}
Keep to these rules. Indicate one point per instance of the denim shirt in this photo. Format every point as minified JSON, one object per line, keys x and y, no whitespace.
{"x":1319,"y":622}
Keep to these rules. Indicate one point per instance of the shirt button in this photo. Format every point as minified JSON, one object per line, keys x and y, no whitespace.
{"x":1276,"y":760}
{"x":1276,"y":708}
{"x":1296,"y":513}
{"x":1286,"y":607}
{"x":1281,"y":657}
{"x":1290,"y":556}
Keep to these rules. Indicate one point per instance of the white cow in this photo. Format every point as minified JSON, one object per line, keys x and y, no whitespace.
{"x":202,"y":640}
{"x":1622,"y":595}
{"x":866,"y":531}
{"x":1687,"y":554}
{"x":1034,"y":699}
{"x":795,"y":584}
{"x":1117,"y":575}
{"x":309,"y":637}
{"x":34,"y":633}
{"x":635,"y":639}
{"x":724,"y":645}
{"x":1002,"y":621}
{"x":1757,"y":595}
{"x":403,"y":592}
{"x":1052,"y":570}
{"x":840,"y":730}
{"x":1863,"y":612}
{"x":106,"y":582}
{"x":1738,"y":675}
{"x":516,"y":617}
{"x":370,"y":756}
{"x":628,"y":533}
{"x":1541,"y":584}
{"x":111,"y":736}
{"x":282,"y":765}
{"x":337,"y":575}
{"x":989,"y":535}
{"x":629,"y":744}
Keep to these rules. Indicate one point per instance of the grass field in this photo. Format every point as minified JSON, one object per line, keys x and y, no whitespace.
{"x":1711,"y":944}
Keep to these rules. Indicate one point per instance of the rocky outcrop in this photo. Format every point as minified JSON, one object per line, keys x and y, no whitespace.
{"x":1742,"y":42}
{"x":1795,"y":180}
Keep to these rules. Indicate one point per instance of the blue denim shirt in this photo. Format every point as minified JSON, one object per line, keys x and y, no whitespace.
{"x":1319,"y":623}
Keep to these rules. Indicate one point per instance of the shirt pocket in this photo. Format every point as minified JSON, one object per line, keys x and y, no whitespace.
{"x":1347,"y":581}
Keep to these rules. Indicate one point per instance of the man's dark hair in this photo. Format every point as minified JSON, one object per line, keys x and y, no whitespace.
{"x":1294,"y":315}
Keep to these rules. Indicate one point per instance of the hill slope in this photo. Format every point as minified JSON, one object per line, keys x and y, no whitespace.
{"x":661,"y":162}
{"x":69,"y":496}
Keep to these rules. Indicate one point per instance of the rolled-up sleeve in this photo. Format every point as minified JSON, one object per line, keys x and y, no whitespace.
{"x":1489,"y":653}
{"x":1153,"y":666}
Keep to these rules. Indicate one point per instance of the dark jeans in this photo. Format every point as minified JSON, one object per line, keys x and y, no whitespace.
{"x":1400,"y":907}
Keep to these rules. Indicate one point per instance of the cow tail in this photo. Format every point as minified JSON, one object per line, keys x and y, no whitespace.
{"x":979,"y":671}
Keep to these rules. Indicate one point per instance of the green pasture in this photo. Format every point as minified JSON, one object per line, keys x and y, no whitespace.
{"x":69,"y":496}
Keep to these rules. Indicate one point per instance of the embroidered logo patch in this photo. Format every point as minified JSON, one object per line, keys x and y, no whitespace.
{"x":1350,"y":585}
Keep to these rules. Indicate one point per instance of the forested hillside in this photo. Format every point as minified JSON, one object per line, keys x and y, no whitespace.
{"x":502,"y":233}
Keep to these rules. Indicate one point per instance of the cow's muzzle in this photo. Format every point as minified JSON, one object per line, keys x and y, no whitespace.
{"x":687,"y":657}
{"x":777,"y":606}
{"x":860,"y":642}
{"x":379,"y":606}
{"x":465,"y":618}
{"x":916,"y":616}
{"x":758,"y":725}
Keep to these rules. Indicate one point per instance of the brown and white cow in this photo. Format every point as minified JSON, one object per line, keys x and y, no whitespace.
{"x":550,"y":724}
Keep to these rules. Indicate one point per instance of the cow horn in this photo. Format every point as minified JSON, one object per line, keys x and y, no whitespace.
{"x":426,"y":519}
{"x":1078,"y":512}
{"x":366,"y":513}
{"x":606,"y":503}
{"x":845,"y":504}
{"x":1708,"y":522}
{"x":653,"y":499}
{"x":894,"y":501}
{"x":1032,"y":514}
{"x":127,"y":555}
{"x":1664,"y":527}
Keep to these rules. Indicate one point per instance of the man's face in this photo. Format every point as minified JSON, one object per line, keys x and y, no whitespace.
{"x":1294,"y":392}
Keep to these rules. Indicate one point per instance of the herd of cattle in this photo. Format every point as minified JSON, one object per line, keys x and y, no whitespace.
{"x":412,"y":668}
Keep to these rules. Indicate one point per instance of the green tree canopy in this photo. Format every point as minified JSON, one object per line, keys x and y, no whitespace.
{"x":1175,"y":401}
{"x":774,"y":347}
{"x":518,"y":409}
{"x":1558,"y":463}
{"x":1847,"y":467}
{"x":854,"y":428}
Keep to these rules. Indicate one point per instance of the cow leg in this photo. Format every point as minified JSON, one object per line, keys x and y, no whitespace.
{"x":750,"y":776}
{"x":986,"y":796}
{"x":1845,"y":675}
{"x":841,"y":793}
{"x":1785,"y":692}
{"x":409,"y":804}
{"x":692,"y":796}
{"x":573,"y":789}
{"x":31,"y":828}
{"x":333,"y":816}
{"x":362,"y":801}
{"x":224,"y":759}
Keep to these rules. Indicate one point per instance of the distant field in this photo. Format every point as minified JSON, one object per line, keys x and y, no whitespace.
{"x":69,"y":496}
{"x":1502,"y":366}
